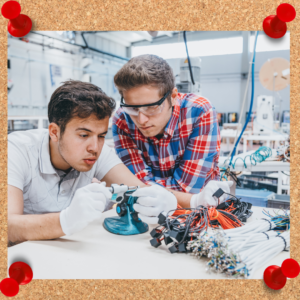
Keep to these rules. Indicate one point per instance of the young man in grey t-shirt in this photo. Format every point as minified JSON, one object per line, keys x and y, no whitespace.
{"x":50,"y":171}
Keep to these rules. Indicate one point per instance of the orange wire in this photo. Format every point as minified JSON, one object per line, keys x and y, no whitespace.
{"x":213,"y":214}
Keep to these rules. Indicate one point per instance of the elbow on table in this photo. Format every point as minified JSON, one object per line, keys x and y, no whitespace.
{"x":13,"y":236}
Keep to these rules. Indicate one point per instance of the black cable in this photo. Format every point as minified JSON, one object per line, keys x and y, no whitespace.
{"x":188,"y":57}
{"x":266,"y":235}
{"x":269,"y":223}
{"x":283,"y":241}
{"x":86,"y":46}
{"x":241,"y":210}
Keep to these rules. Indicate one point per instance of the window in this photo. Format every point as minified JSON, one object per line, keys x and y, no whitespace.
{"x":265,"y":43}
{"x":210,"y":47}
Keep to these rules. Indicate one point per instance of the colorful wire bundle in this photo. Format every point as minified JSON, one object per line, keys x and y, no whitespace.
{"x":229,"y":214}
{"x":222,"y":260}
{"x":177,"y":228}
{"x":225,"y":218}
{"x":282,"y":221}
{"x":239,"y":252}
{"x":182,"y":225}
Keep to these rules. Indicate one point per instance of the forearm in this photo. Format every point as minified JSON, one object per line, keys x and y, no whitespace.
{"x":33,"y":227}
{"x":183,"y":199}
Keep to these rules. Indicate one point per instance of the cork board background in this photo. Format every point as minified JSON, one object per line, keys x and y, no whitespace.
{"x":155,"y":15}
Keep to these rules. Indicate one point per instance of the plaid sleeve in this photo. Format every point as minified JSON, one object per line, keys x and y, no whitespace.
{"x":128,"y":151}
{"x":200,"y":159}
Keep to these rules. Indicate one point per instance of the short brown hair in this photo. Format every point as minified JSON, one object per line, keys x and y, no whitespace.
{"x":78,"y":99}
{"x":146,"y":70}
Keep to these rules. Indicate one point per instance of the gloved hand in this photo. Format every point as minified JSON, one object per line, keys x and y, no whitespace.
{"x":205,"y":197}
{"x":109,"y":204}
{"x":87,"y":205}
{"x":152,"y":201}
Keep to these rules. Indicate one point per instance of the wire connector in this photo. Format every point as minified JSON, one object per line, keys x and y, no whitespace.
{"x":218,"y":193}
{"x":173,"y":249}
{"x":155,"y":243}
{"x":162,"y":218}
{"x":155,"y":233}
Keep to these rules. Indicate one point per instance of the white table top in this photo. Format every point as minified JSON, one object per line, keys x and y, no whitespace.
{"x":231,"y":133}
{"x":272,"y":137}
{"x":94,"y":253}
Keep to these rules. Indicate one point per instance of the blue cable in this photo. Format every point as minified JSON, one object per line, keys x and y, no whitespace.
{"x":188,"y":57}
{"x":251,"y":104}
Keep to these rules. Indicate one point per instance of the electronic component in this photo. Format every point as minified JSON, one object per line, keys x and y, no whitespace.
{"x":127,"y":222}
{"x":173,"y":249}
{"x":155,"y":243}
{"x":167,"y":238}
{"x":155,"y":233}
{"x":218,"y":194}
{"x":161,"y":218}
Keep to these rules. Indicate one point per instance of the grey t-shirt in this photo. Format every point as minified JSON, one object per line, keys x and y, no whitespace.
{"x":44,"y":189}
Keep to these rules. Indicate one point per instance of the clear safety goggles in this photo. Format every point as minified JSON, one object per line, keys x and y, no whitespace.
{"x":146,"y":109}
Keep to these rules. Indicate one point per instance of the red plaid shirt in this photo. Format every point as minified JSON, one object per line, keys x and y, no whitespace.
{"x":185,"y":158}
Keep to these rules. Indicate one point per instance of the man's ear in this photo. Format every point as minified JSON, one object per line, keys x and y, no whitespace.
{"x":174,"y":96}
{"x":54,"y":132}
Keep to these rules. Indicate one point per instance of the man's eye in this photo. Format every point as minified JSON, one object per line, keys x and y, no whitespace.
{"x":101,"y":136}
{"x":83,"y":135}
{"x":152,"y":108}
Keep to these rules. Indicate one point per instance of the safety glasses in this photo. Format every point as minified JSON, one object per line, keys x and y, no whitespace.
{"x":146,"y":109}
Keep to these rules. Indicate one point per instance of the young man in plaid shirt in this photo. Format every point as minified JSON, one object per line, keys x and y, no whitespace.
{"x":164,"y":137}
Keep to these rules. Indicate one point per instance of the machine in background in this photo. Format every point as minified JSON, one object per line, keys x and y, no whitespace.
{"x":264,"y":121}
{"x":285,"y":121}
{"x":185,"y":85}
{"x":274,"y":75}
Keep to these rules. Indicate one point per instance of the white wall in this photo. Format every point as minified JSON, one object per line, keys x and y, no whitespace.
{"x":30,"y":73}
{"x":221,"y":80}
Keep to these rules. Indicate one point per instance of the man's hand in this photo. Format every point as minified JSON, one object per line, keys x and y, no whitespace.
{"x":87,"y":205}
{"x":205,"y":197}
{"x":152,"y":201}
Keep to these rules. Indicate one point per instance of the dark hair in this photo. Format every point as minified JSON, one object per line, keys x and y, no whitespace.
{"x":78,"y":99}
{"x":146,"y":70}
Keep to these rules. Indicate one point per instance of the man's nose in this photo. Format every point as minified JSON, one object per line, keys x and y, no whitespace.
{"x":142,"y":118}
{"x":94,"y":145}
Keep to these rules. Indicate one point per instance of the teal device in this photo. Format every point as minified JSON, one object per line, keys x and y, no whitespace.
{"x":127,"y":222}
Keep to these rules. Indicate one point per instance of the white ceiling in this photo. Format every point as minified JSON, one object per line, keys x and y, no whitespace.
{"x":125,"y":38}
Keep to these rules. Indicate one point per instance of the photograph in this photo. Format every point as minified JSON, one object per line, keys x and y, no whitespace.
{"x":148,"y":154}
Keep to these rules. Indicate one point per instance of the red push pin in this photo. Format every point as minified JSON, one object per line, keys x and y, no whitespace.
{"x":20,"y":273}
{"x":9,"y":287}
{"x":275,"y":277}
{"x":275,"y":26}
{"x":19,"y":25}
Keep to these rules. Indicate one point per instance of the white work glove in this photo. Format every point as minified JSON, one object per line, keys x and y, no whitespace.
{"x":205,"y":197}
{"x":152,"y":201}
{"x":109,"y":204}
{"x":87,"y":205}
